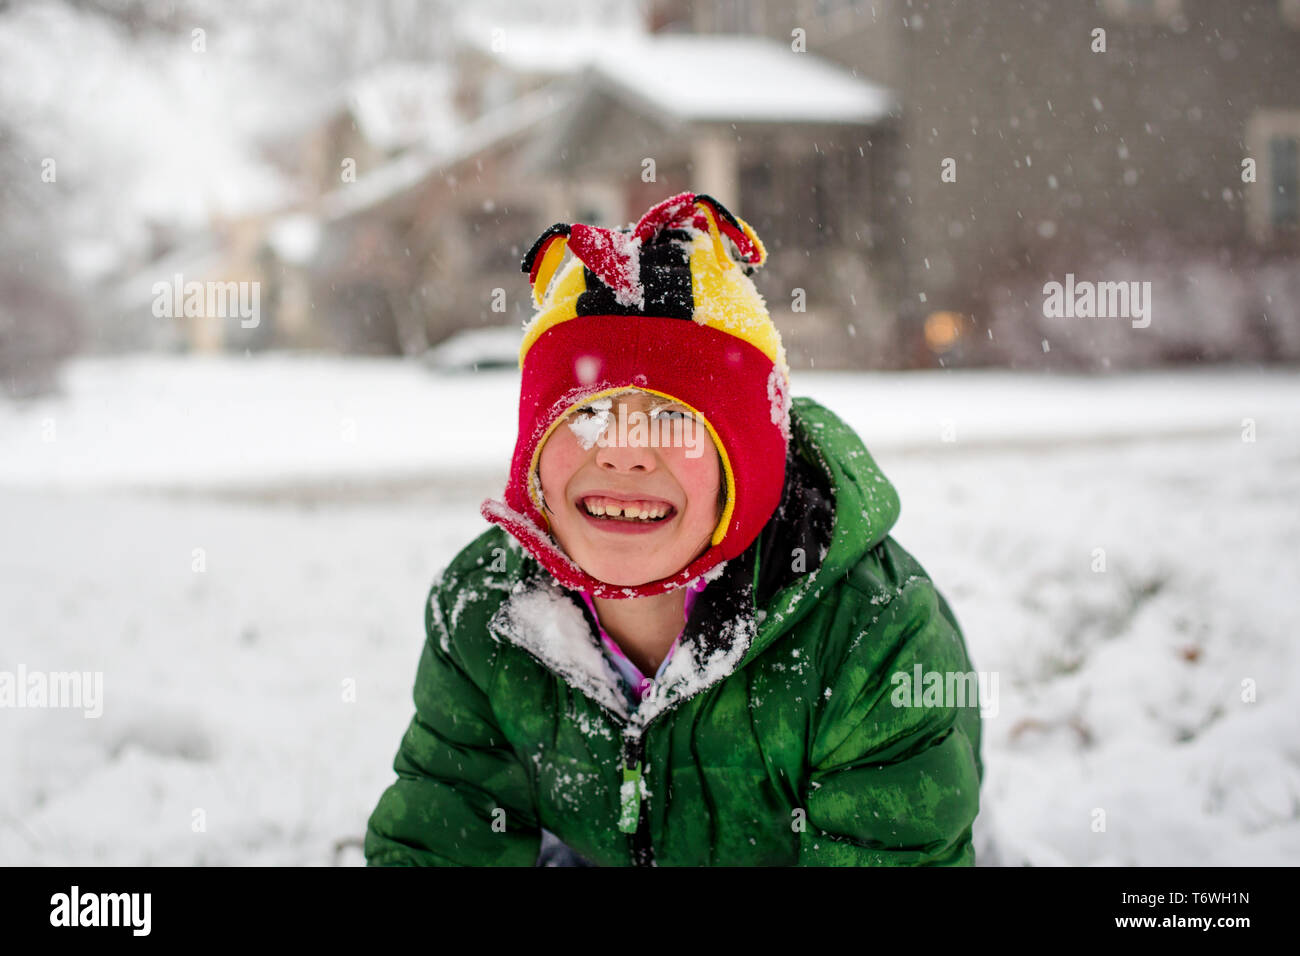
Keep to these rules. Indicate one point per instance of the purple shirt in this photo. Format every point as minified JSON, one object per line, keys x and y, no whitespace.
{"x":636,"y":682}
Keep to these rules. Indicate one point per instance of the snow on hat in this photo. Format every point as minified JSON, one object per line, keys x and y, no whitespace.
{"x":665,"y":306}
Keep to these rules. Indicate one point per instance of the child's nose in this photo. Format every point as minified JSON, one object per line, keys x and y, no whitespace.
{"x":622,"y":448}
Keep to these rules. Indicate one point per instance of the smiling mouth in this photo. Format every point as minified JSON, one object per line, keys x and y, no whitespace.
{"x":640,"y":512}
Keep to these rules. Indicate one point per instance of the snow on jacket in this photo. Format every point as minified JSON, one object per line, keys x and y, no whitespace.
{"x":774,"y":737}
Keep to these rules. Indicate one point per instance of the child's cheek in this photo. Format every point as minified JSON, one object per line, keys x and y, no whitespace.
{"x":560,"y":459}
{"x":698,"y":475}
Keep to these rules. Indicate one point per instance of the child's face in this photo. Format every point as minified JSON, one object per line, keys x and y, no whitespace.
{"x":651,"y":456}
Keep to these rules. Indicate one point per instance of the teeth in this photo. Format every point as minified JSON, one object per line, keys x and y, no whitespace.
{"x":607,"y":508}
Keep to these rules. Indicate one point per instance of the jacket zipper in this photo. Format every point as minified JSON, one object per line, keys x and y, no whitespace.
{"x":635,"y":817}
{"x":632,"y":814}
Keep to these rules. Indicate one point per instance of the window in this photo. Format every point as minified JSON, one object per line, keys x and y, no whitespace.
{"x":737,"y":16}
{"x":1282,"y":152}
{"x":832,"y":13}
{"x":601,"y":204}
{"x":1273,"y":200}
{"x":1143,"y":11}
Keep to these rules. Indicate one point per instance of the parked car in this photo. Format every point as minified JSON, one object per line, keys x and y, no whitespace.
{"x":472,"y":350}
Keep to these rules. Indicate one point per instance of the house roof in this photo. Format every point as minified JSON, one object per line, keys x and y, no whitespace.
{"x":402,"y":104}
{"x":675,"y":78}
{"x":703,"y":78}
{"x":674,"y":82}
{"x":693,"y":77}
{"x":545,"y":50}
{"x":395,"y":178}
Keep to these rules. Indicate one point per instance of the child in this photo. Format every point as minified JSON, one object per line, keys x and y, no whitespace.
{"x":681,"y":643}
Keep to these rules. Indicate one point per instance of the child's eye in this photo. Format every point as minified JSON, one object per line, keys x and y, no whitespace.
{"x":603,"y":408}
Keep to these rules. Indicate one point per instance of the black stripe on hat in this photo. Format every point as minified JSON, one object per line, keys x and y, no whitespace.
{"x":559,"y":229}
{"x":665,"y":275}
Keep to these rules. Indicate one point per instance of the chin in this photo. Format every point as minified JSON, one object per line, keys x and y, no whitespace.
{"x":624,"y":572}
{"x":622,"y":577}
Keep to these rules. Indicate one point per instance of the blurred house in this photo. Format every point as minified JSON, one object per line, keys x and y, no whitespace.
{"x":430,"y":244}
{"x":1162,"y":148}
{"x":142,"y":310}
{"x":559,"y":125}
{"x":784,"y":141}
{"x":919,"y":170}
{"x":381,"y":117}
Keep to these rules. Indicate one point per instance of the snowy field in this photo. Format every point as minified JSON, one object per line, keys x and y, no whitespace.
{"x":270,"y":689}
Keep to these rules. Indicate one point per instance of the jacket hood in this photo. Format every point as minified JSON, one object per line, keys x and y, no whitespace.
{"x":835,"y":507}
{"x":836,"y":497}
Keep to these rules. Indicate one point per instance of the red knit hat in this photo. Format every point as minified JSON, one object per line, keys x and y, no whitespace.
{"x":665,"y":306}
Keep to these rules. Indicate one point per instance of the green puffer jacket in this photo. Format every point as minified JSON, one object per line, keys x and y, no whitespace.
{"x":777,"y":734}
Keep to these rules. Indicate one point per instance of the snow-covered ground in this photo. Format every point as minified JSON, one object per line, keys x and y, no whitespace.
{"x":269,"y":690}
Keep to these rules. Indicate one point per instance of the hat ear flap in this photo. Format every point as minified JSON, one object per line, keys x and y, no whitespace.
{"x":742,"y":236}
{"x":544,"y":258}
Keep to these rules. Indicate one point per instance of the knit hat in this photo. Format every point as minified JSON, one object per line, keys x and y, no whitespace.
{"x":665,"y":306}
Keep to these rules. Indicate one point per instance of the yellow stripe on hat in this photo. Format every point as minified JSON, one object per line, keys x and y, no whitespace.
{"x":726,"y":300}
{"x":563,"y":305}
{"x":724,"y":257}
{"x":551,"y":259}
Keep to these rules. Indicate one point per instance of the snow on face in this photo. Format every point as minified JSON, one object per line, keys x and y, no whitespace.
{"x":591,"y":422}
{"x":598,"y":453}
{"x":590,"y":427}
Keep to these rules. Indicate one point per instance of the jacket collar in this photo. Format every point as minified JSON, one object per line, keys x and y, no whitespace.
{"x":835,"y":505}
{"x":863,"y":503}
{"x":550,"y":622}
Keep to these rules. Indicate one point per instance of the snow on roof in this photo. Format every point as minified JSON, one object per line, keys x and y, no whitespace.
{"x":700,"y":77}
{"x":394,"y":178}
{"x":542,"y":49}
{"x":706,"y":78}
{"x":400,"y":104}
{"x":201,"y":257}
